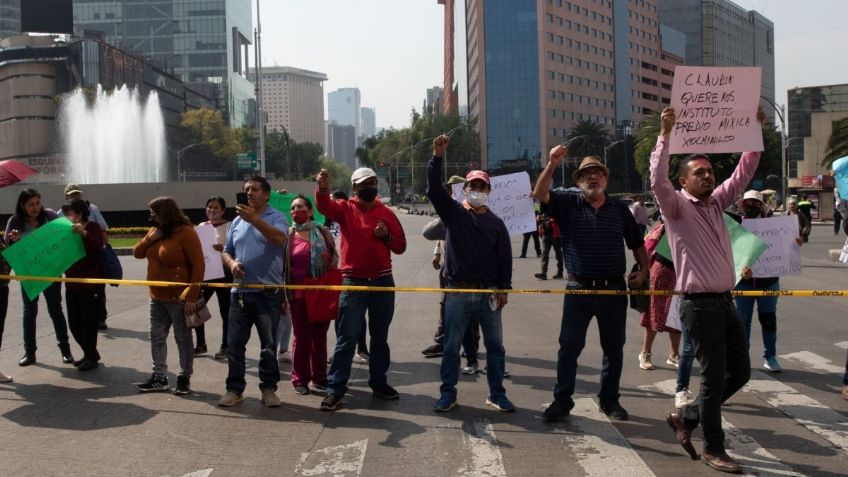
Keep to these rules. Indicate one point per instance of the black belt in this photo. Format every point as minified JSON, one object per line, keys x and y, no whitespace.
{"x":595,"y":282}
{"x":713,"y":295}
{"x":468,"y":285}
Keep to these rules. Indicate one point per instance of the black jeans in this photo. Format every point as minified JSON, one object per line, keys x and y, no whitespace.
{"x":718,"y":336}
{"x":223,"y":295}
{"x":527,"y":236}
{"x":550,"y":242}
{"x":85,"y":312}
{"x":4,"y":306}
{"x":837,"y":221}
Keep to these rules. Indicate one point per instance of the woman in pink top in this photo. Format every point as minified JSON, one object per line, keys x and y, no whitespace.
{"x":310,"y":254}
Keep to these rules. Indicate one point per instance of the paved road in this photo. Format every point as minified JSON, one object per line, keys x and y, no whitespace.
{"x":57,"y":421}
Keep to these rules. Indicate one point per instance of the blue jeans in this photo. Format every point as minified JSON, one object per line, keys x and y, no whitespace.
{"x":53,"y":297}
{"x":460,"y":310}
{"x":352,"y":307}
{"x":284,"y":331}
{"x":262,"y":310}
{"x":767,"y":313}
{"x":687,"y":356}
{"x":577,"y":312}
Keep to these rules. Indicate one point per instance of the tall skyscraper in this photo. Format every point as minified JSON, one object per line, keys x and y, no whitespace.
{"x":434,"y":98}
{"x":343,"y":107}
{"x":342,"y":141}
{"x":294,"y":100}
{"x":369,"y":122}
{"x":536,"y":67}
{"x":721,"y":33}
{"x":10,"y":18}
{"x":203,"y":41}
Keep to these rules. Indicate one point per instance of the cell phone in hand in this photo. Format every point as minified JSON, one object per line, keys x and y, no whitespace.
{"x":241,"y":198}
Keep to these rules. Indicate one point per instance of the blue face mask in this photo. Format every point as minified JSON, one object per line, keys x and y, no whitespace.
{"x":477,"y":199}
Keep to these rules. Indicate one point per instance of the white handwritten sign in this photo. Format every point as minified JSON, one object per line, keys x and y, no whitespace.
{"x":716,"y":110}
{"x":214,"y":265}
{"x":510,"y":200}
{"x":843,"y":257}
{"x":783,"y":255}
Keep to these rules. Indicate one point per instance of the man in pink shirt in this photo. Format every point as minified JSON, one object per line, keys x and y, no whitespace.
{"x":703,"y":260}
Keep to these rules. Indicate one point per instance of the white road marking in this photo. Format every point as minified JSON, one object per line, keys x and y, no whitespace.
{"x":342,"y":460}
{"x":814,"y":361}
{"x":842,"y":344}
{"x":478,"y":438}
{"x":754,"y":459}
{"x":805,"y":410}
{"x":598,"y":446}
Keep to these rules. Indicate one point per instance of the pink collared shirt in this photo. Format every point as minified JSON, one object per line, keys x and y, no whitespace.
{"x":700,"y":244}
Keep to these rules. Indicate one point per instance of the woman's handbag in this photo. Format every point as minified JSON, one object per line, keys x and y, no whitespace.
{"x":201,"y":315}
{"x":111,"y":265}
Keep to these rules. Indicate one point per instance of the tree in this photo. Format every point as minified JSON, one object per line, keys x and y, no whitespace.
{"x":338,"y":171}
{"x":837,"y":145}
{"x":207,"y":127}
{"x":587,"y":138}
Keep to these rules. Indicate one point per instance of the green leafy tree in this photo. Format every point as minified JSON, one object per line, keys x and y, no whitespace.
{"x":837,"y":145}
{"x":587,"y":138}
{"x":219,"y":143}
{"x":338,"y":171}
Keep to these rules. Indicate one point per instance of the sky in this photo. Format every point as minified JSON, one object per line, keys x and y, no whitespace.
{"x":392,"y":49}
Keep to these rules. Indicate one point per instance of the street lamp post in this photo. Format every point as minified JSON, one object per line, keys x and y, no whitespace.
{"x":179,"y":156}
{"x":780,"y":110}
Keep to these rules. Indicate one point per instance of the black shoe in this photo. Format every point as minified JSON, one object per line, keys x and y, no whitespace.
{"x":433,"y":351}
{"x":555,"y":412}
{"x":88,"y":365}
{"x":27,"y":359}
{"x":67,"y":357}
{"x":183,"y":385}
{"x":615,"y":411}
{"x":541,"y":276}
{"x":154,"y":384}
{"x":386,"y":392}
{"x":558,"y":276}
{"x":331,"y":402}
{"x":222,"y":353}
{"x":522,"y":256}
{"x":200,"y":349}
{"x":302,"y":390}
{"x":78,"y":362}
{"x":102,"y":326}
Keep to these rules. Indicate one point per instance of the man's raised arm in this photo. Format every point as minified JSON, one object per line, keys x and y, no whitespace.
{"x":542,"y":191}
{"x":664,"y":193}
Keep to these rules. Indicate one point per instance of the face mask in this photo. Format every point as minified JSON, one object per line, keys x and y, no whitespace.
{"x":367,"y":195}
{"x":300,"y":216}
{"x":752,"y":212}
{"x":214,"y":215}
{"x":476,"y":199}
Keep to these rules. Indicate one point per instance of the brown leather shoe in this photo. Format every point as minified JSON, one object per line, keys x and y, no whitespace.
{"x":722,"y":462}
{"x":684,"y":436}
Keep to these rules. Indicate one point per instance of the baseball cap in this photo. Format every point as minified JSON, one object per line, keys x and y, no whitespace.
{"x":752,"y":194}
{"x":362,"y":174}
{"x":72,"y":189}
{"x":481,"y":175}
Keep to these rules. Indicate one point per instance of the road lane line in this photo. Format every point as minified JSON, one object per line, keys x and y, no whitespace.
{"x":754,"y":458}
{"x":598,"y":446}
{"x":478,"y":438}
{"x":814,"y":361}
{"x":345,"y":459}
{"x":842,"y":344}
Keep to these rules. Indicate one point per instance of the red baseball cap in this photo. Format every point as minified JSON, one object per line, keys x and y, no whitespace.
{"x":481,"y":175}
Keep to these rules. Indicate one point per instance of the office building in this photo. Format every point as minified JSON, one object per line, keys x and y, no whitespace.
{"x":293,"y":100}
{"x":10,"y":18}
{"x":721,"y":33}
{"x":204,"y":43}
{"x":536,"y":67}
{"x":343,"y":107}
{"x":341,"y":139}
{"x":812,"y":111}
{"x":433,"y":99}
{"x":369,"y":122}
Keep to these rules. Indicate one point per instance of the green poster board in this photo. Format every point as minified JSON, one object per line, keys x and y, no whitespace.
{"x":47,"y":252}
{"x":746,"y":246}
{"x":282,"y":202}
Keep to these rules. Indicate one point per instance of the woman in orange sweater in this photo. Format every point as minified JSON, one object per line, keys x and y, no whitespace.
{"x":173,"y":254}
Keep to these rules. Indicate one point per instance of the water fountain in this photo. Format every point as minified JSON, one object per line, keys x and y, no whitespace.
{"x":114,"y":139}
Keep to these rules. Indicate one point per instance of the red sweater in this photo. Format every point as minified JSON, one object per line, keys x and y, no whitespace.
{"x":363,"y":254}
{"x":88,"y":266}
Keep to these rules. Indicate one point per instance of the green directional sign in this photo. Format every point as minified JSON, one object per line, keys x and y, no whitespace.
{"x":246,"y":160}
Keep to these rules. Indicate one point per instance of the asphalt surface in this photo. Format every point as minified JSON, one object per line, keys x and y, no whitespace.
{"x":55,"y":420}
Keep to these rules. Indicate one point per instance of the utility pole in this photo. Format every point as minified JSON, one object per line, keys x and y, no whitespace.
{"x":260,"y":113}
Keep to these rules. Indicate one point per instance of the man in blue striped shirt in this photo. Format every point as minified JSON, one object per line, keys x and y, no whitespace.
{"x":594,"y":228}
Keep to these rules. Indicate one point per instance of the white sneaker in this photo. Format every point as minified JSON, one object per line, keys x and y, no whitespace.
{"x":772,"y":365}
{"x":645,"y":361}
{"x":472,"y":368}
{"x":683,"y":398}
{"x":673,"y":361}
{"x":284,"y":357}
{"x":5,"y":379}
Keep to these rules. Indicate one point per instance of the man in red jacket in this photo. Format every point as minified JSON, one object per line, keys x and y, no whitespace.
{"x":371,"y":232}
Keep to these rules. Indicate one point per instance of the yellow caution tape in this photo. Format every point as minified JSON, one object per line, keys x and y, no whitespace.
{"x":519,"y":291}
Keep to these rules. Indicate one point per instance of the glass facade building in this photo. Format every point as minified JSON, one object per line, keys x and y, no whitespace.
{"x":830,"y":103}
{"x":204,"y":42}
{"x":10,"y":18}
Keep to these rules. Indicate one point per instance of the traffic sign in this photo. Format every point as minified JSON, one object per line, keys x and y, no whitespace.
{"x":246,"y":160}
